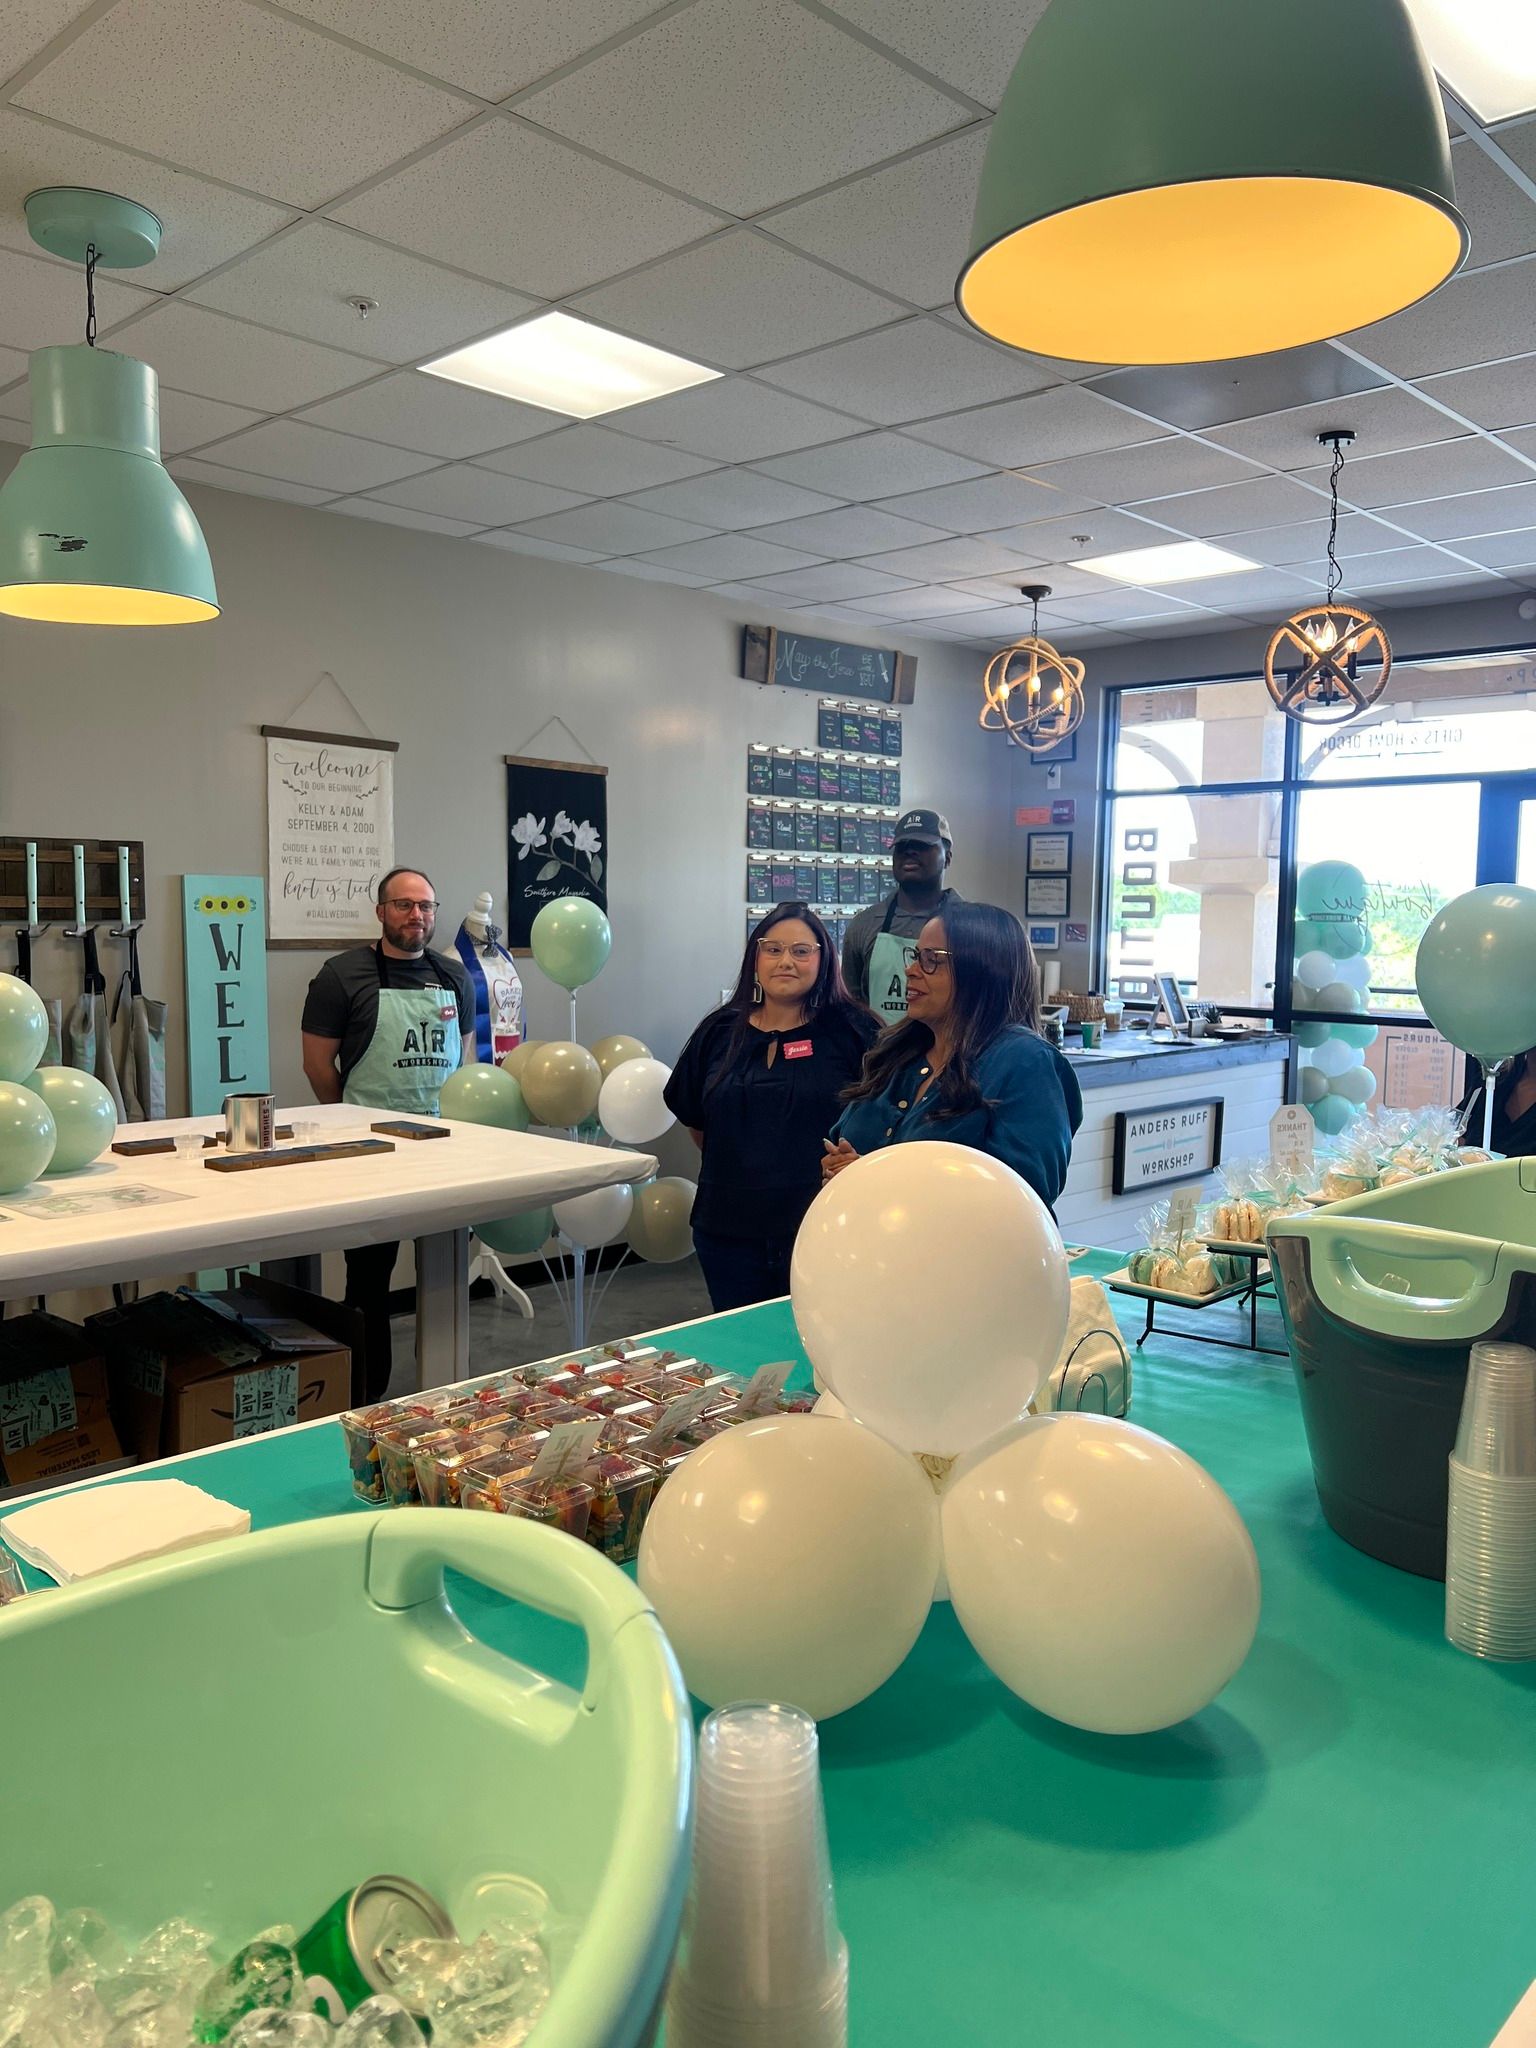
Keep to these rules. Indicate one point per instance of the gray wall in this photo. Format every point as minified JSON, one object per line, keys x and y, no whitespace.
{"x":463,"y":653}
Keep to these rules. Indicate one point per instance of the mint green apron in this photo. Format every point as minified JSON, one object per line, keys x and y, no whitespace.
{"x":414,"y":1048}
{"x":889,"y":957}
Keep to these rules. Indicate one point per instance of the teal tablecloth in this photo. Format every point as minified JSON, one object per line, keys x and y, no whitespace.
{"x":1341,"y":1853}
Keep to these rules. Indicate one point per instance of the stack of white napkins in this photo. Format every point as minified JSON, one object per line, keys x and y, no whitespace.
{"x":77,"y":1535}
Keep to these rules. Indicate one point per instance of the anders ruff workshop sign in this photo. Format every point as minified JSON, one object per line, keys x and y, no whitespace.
{"x":224,"y":936}
{"x":330,"y":834}
{"x":1174,"y":1141}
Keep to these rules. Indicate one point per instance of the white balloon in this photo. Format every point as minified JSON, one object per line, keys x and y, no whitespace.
{"x":1313,"y":1084}
{"x":630,"y":1107}
{"x":930,"y":1290}
{"x":1355,"y":974}
{"x":935,"y":1470}
{"x":598,"y":1218}
{"x":792,"y":1559}
{"x":1100,"y":1572}
{"x":1317,"y":969}
{"x":1333,"y":1057}
{"x":1355,"y":1084}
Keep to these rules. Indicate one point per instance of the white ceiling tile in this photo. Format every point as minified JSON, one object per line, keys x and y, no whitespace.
{"x":972,"y":44}
{"x":1480,"y":317}
{"x":1306,"y":540}
{"x":1062,"y":539}
{"x":15,"y":431}
{"x":1402,"y":565}
{"x":1383,"y":421}
{"x":903,"y":372}
{"x":489,"y":47}
{"x":1107,"y":604}
{"x":1047,"y":426}
{"x":1156,"y":469}
{"x":1470,"y":586}
{"x":432,"y":416}
{"x":1064,"y":580}
{"x":852,"y":530}
{"x":466,"y":493}
{"x":1443,"y":470}
{"x":736,"y":300}
{"x":1522,"y":439}
{"x":995,"y":625}
{"x":27,"y":27}
{"x":919,"y":602}
{"x":984,"y":504}
{"x":13,"y":364}
{"x":905,"y":228}
{"x":749,"y":593}
{"x":301,"y":282}
{"x":735,"y":421}
{"x":744,"y":103}
{"x":216,"y":357}
{"x":250,"y":97}
{"x":1498,"y":395}
{"x":315,"y":455}
{"x":873,"y":466}
{"x":1500,"y":214}
{"x":733,"y":498}
{"x":614,"y":529}
{"x":833,"y":583}
{"x":519,"y":543}
{"x":595,"y":461}
{"x":941,"y":561}
{"x":1247,"y":590}
{"x":511,"y":203}
{"x":42,"y":303}
{"x":654,"y":572}
{"x":187,"y":422}
{"x":1267,"y":501}
{"x":187,"y":469}
{"x":1501,"y":550}
{"x":731,"y":558}
{"x":1201,"y":395}
{"x":399,"y":515}
{"x":205,"y":224}
{"x":1474,"y":513}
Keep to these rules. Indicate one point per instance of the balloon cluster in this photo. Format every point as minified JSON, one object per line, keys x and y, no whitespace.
{"x":613,"y":1087}
{"x":1476,"y":971}
{"x":52,"y":1119}
{"x":1099,"y":1571}
{"x":1333,"y":973}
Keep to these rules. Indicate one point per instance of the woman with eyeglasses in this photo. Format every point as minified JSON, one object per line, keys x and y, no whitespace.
{"x":759,"y":1086}
{"x":968,"y":1064}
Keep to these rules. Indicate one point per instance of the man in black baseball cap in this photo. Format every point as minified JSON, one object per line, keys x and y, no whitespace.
{"x":880,"y":940}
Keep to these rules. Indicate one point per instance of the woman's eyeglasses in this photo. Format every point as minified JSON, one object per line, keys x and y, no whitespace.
{"x":772,"y":949}
{"x":931,"y":958}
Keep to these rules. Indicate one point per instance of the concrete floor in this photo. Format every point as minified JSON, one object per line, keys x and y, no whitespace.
{"x":639,"y":1297}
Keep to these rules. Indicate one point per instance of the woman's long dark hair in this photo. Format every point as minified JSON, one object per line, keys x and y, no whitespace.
{"x":997,"y":983}
{"x":826,"y":995}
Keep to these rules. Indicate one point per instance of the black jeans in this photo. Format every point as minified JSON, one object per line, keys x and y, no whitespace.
{"x":370,"y":1268}
{"x":739,"y":1271}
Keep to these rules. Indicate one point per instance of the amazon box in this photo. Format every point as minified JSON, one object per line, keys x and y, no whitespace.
{"x":187,"y":1370}
{"x":55,"y":1420}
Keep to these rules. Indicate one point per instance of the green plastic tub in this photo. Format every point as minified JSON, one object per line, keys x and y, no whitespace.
{"x":1383,"y":1297}
{"x":242,"y":1733}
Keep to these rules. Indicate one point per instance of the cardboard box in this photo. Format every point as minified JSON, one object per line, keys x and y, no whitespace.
{"x":187,"y":1371}
{"x":54,"y":1408}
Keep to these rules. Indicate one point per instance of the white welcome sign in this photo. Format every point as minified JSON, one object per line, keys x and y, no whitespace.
{"x":330,"y":834}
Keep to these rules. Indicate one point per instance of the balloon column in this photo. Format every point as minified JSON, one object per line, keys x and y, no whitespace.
{"x":1101,"y":1574}
{"x":1333,"y":973}
{"x":1475,"y":979}
{"x":612,"y":1092}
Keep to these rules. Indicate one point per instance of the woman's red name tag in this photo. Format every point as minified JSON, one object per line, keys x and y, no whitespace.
{"x":798,"y":1048}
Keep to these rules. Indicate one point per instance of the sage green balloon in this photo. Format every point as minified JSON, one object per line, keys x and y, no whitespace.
{"x":1475,"y":971}
{"x":1331,"y":889}
{"x":660,"y":1227}
{"x":28,"y":1135}
{"x":1311,"y":1085}
{"x":560,"y":1084}
{"x":84,"y":1116}
{"x":485,"y":1095}
{"x":571,"y":940}
{"x":1312,"y":1035}
{"x":1355,"y":1084}
{"x":23,"y":1028}
{"x":1345,"y":938}
{"x":514,"y":1061}
{"x":1332,"y":1115}
{"x":518,"y":1237}
{"x":1308,"y":936}
{"x":614,"y":1050}
{"x":1338,"y":995}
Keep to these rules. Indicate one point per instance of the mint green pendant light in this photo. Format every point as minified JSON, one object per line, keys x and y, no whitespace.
{"x":93,"y":531}
{"x":1175,"y":181}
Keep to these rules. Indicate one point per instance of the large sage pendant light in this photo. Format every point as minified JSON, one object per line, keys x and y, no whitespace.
{"x":1179,"y":181}
{"x":93,"y":531}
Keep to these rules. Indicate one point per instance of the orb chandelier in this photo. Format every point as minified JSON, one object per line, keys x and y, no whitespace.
{"x":1313,"y":663}
{"x":1034,"y":693}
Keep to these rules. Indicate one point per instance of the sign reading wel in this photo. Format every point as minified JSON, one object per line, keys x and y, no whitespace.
{"x":224,"y":936}
{"x":1174,"y":1141}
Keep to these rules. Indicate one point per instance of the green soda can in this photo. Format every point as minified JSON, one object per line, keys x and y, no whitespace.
{"x":343,"y":1954}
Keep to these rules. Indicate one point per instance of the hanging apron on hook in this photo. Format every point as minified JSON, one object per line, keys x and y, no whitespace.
{"x":54,"y":1056}
{"x":89,"y":1041}
{"x":138,"y":1024}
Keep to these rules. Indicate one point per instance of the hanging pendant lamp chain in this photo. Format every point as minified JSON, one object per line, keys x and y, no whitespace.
{"x":1335,"y":573}
{"x":90,"y":294}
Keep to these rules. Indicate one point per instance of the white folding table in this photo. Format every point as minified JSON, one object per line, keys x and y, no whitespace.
{"x":430,"y":1189}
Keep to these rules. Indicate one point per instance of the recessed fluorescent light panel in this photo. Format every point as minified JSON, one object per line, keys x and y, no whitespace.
{"x":1485,"y":50}
{"x":1179,"y":562}
{"x":569,"y":366}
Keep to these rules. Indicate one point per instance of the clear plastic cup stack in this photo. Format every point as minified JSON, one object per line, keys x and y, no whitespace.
{"x":761,"y":1963}
{"x":1490,"y":1575}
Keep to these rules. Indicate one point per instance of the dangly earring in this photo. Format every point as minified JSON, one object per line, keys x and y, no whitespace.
{"x":757,"y":993}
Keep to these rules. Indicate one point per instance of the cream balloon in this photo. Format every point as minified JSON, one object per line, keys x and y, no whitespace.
{"x":792,"y":1559}
{"x":661,"y":1228}
{"x":1355,"y":974}
{"x":930,"y":1290}
{"x":614,"y":1050}
{"x":1355,"y":1084}
{"x":1100,"y":1572}
{"x":513,"y":1062}
{"x":1312,"y":1084}
{"x":1333,"y":1057}
{"x":935,"y":1470}
{"x":597,"y":1218}
{"x":1317,"y":969}
{"x":631,"y":1107}
{"x":560,"y":1082}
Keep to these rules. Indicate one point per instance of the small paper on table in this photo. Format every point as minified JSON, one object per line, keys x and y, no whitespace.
{"x":77,"y":1535}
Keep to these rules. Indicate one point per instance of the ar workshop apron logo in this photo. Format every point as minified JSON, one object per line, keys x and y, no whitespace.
{"x":426,"y":1045}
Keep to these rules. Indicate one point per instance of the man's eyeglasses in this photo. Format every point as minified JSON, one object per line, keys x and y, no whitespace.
{"x":771,"y":949}
{"x":931,"y":958}
{"x":425,"y":905}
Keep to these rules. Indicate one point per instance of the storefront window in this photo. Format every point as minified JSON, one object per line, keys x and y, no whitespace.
{"x":1198,"y":733}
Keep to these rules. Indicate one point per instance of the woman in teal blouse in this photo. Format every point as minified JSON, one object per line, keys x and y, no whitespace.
{"x":968,"y":1064}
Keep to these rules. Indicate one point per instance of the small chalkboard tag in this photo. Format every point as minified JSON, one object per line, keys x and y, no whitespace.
{"x":760,"y":1396}
{"x":568,"y":1447}
{"x":406,"y":1130}
{"x":1291,"y":1137}
{"x":297,"y":1155}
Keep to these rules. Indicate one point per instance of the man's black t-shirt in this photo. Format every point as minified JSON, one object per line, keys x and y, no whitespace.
{"x":343,"y":999}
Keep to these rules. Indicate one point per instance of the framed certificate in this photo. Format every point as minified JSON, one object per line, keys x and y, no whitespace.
{"x":1050,"y":853}
{"x":1047,"y":896}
